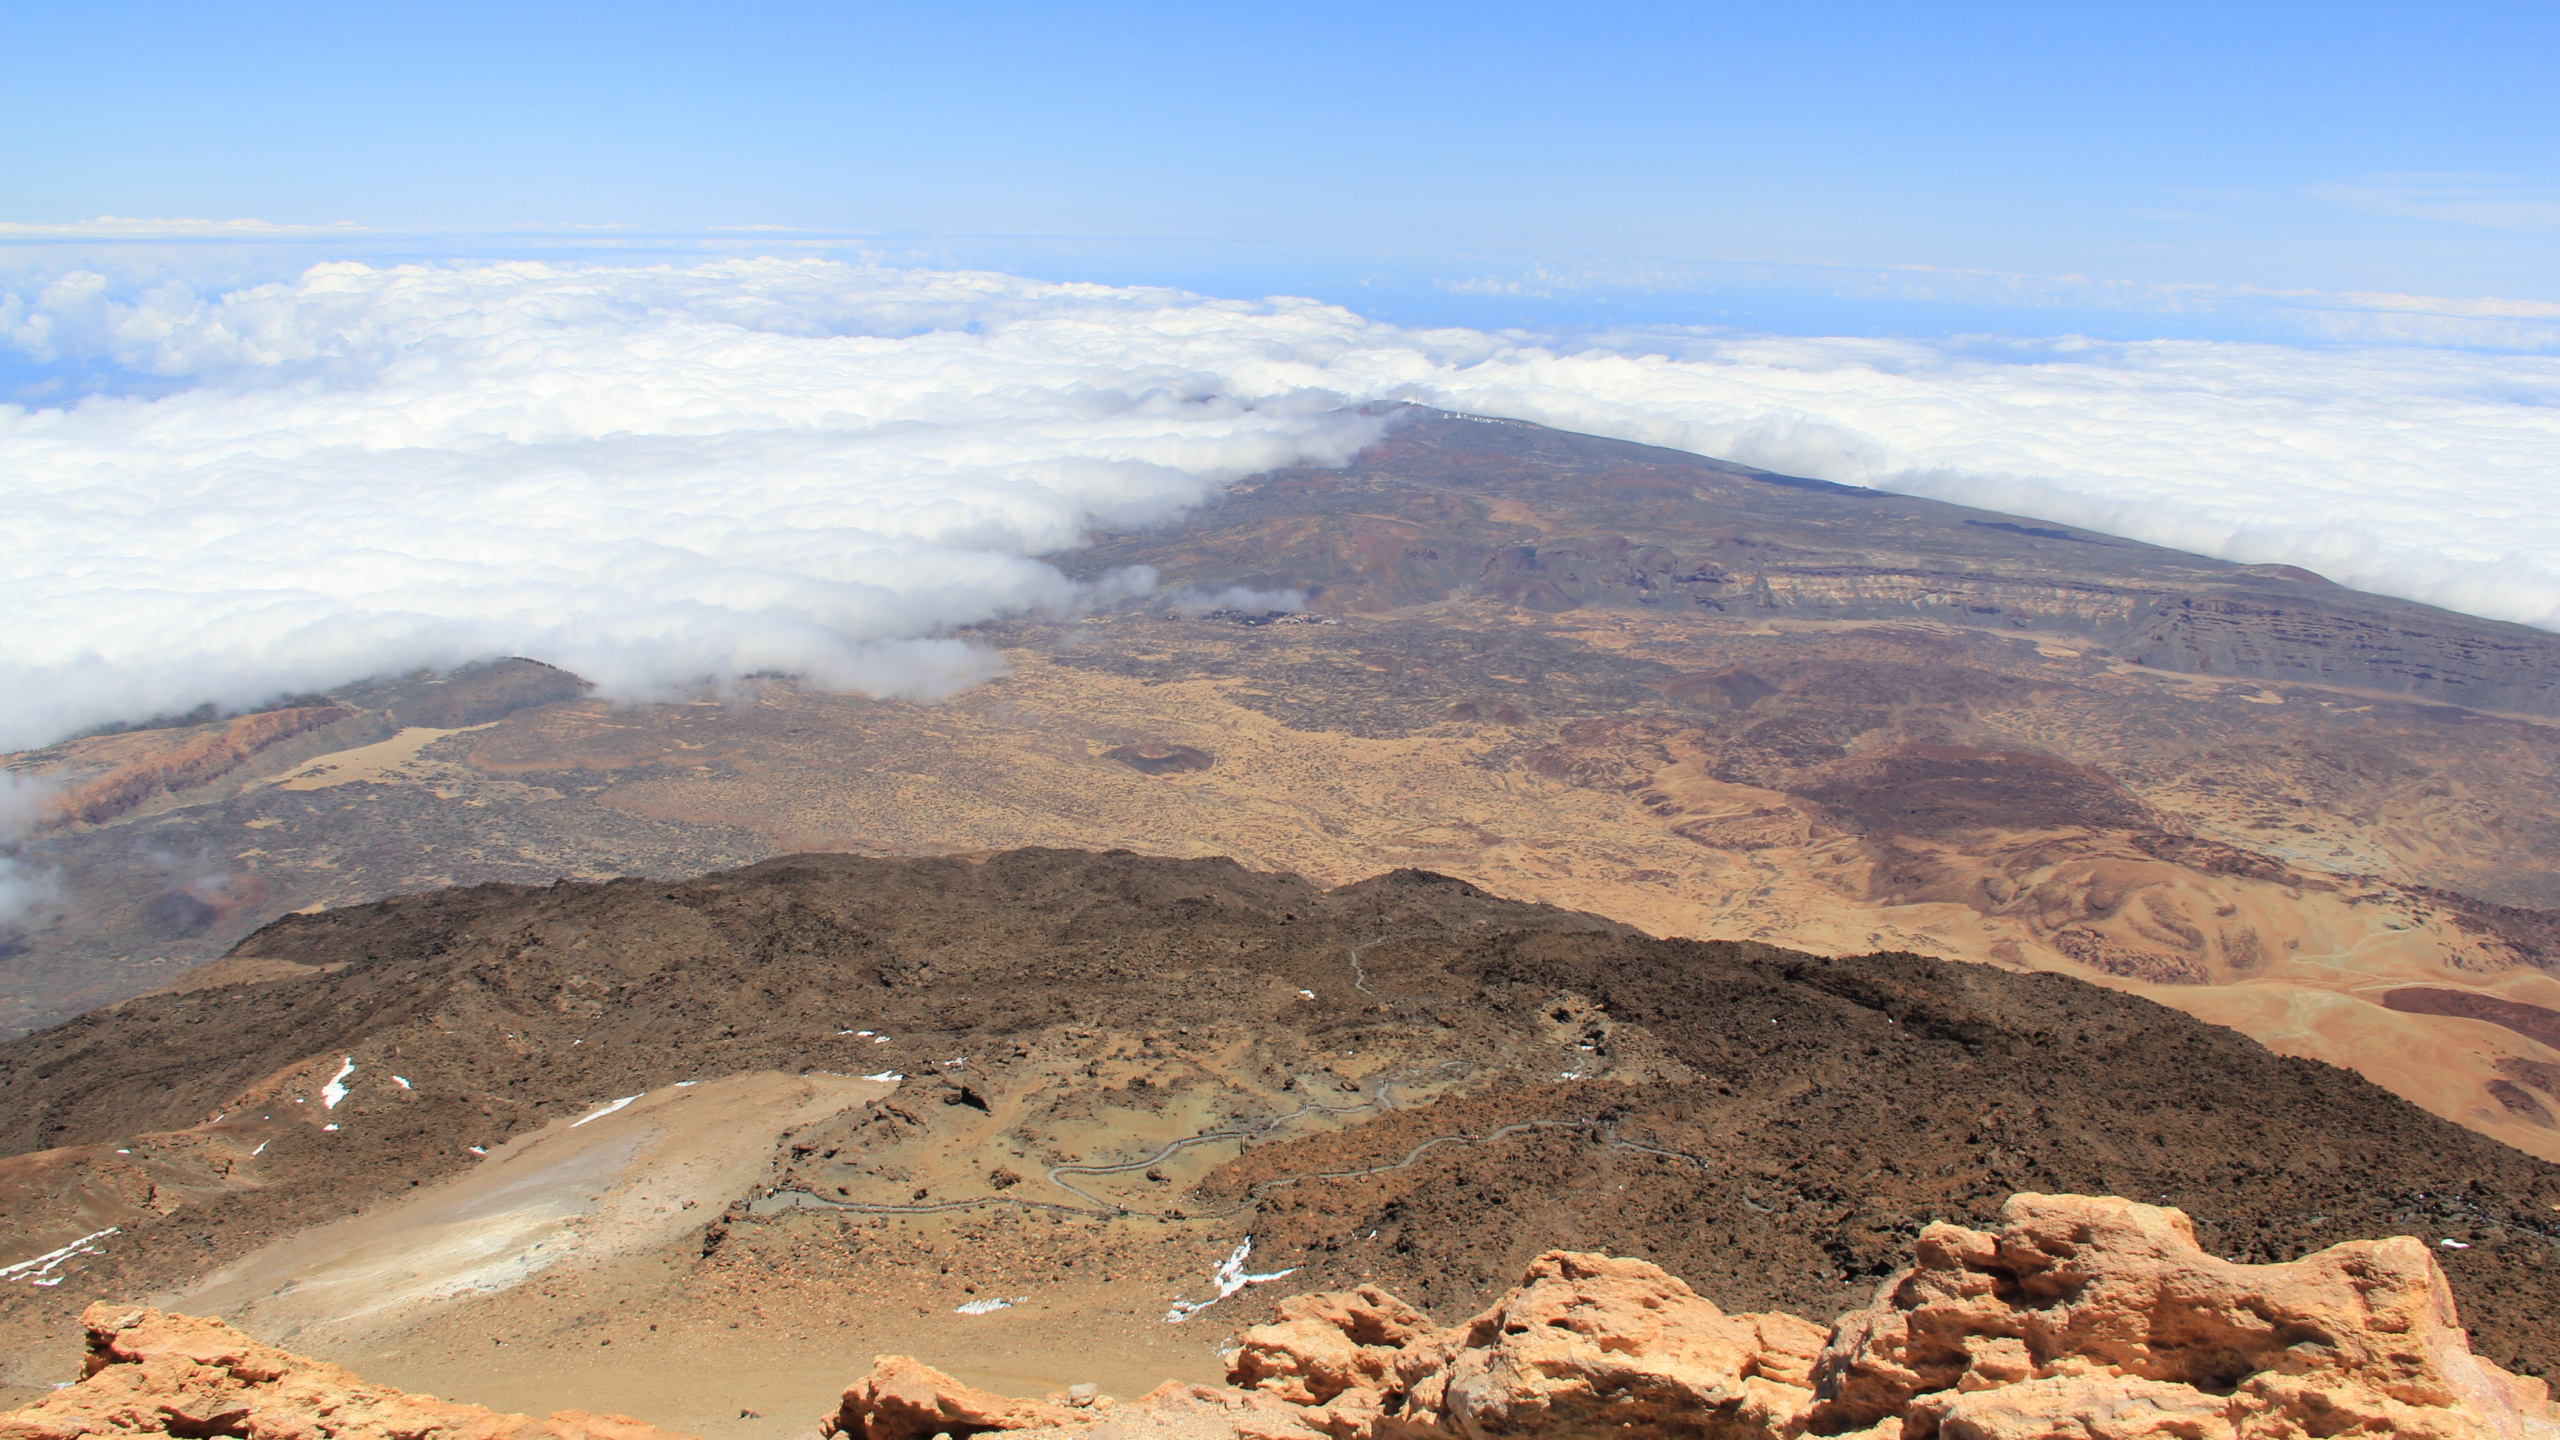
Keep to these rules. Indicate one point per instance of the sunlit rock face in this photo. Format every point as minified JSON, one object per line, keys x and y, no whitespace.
{"x":156,"y":1374}
{"x":2077,"y":1316}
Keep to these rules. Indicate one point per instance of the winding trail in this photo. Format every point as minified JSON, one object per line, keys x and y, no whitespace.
{"x":1100,"y":1208}
{"x":1360,"y":972}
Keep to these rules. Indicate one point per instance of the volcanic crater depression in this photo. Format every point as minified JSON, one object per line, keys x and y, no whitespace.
{"x":1160,"y":757}
{"x":1111,"y":1073}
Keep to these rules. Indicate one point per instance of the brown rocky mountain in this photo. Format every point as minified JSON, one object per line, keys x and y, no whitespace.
{"x":1042,"y":1114}
{"x":1703,"y":700}
{"x":1456,"y":506}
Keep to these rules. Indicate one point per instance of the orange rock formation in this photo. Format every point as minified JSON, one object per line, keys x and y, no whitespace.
{"x":2082,"y":1317}
{"x":195,"y":759}
{"x":152,"y":1374}
{"x":905,"y":1399}
{"x":2098,"y":1319}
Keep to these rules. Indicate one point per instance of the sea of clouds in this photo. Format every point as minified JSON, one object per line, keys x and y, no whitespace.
{"x":661,"y":476}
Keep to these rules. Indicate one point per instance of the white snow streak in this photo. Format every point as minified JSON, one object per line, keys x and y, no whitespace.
{"x":336,"y":1089}
{"x":1230,"y":1278}
{"x":39,"y":1270}
{"x":603,"y":1110}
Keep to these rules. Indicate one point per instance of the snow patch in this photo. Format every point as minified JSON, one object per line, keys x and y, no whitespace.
{"x":1231,"y":1277}
{"x":39,"y":1271}
{"x":602,"y":1111}
{"x":336,"y":1089}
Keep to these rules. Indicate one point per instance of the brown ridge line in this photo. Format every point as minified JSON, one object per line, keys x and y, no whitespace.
{"x":199,"y":761}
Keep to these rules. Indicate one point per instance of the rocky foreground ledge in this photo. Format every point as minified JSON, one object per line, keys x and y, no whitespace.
{"x":2095,"y":1318}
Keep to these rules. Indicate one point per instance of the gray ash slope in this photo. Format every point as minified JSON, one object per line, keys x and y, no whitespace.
{"x":1839,"y":1104}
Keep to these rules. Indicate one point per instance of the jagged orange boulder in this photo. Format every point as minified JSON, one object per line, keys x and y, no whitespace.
{"x":904,"y":1399}
{"x":153,"y":1374}
{"x":1177,"y":1411}
{"x":2098,"y":1319}
{"x":1323,"y":1344}
{"x":1587,"y":1346}
{"x":2103,"y":1317}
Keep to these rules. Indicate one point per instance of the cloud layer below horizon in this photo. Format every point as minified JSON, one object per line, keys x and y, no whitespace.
{"x":657,"y":476}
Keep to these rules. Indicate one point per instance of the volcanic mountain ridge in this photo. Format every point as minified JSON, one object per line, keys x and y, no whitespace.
{"x":1046,"y":1093}
{"x":1704,"y":699}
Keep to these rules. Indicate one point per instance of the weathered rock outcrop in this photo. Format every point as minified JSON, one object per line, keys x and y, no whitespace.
{"x":1586,"y":1345}
{"x":905,"y":1399}
{"x":2093,"y":1318}
{"x":2105,"y":1314}
{"x":152,"y":1374}
{"x":194,"y":759}
{"x":2097,"y":1318}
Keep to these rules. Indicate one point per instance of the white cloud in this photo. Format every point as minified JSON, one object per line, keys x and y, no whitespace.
{"x":1234,"y":597}
{"x":2482,"y":323}
{"x":117,"y":227}
{"x":656,"y":475}
{"x":2420,"y":473}
{"x":2497,"y":202}
{"x":649,"y":475}
{"x":24,"y":799}
{"x":2353,"y":317}
{"x":25,"y":890}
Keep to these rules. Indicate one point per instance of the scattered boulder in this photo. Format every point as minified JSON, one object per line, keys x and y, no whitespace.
{"x":154,"y":1374}
{"x":1587,"y":1346}
{"x":2094,"y":1308}
{"x":1324,"y":1344}
{"x":1590,"y":1346}
{"x":904,"y":1399}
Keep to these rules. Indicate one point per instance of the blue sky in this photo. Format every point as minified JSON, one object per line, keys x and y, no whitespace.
{"x":2276,"y":285}
{"x":2121,"y":170}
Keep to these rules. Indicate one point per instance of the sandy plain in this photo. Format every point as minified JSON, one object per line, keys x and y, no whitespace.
{"x":1651,"y":768}
{"x":1021,"y":761}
